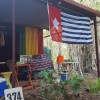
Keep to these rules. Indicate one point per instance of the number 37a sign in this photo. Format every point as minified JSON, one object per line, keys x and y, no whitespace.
{"x":14,"y":94}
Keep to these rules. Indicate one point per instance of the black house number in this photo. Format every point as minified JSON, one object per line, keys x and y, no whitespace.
{"x":14,"y":96}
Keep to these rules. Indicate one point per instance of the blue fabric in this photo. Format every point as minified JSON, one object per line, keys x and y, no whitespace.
{"x":76,"y":29}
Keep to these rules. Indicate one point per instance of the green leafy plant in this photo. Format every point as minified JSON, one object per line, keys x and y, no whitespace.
{"x":76,"y":82}
{"x":47,"y":76}
{"x":47,"y":88}
{"x":94,"y":85}
{"x":48,"y":93}
{"x":57,"y":90}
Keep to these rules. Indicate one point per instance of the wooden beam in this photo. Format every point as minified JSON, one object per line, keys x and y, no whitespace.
{"x":81,"y":7}
{"x":13,"y":43}
{"x":96,"y":46}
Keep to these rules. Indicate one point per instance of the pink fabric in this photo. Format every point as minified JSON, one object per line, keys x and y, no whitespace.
{"x":40,"y":41}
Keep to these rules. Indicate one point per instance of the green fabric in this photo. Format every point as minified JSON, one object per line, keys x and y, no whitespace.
{"x":47,"y":52}
{"x":22,"y":40}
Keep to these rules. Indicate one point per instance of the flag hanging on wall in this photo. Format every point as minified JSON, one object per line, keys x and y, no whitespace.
{"x":68,"y":28}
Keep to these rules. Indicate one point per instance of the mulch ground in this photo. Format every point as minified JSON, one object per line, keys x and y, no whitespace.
{"x":31,"y":95}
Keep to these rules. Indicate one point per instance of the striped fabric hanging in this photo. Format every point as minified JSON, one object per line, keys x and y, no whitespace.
{"x":69,"y":28}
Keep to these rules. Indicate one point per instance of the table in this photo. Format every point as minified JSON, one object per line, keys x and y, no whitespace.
{"x":30,"y":67}
{"x":67,"y":64}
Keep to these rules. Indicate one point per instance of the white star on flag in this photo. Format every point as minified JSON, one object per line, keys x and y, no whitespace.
{"x":55,"y":22}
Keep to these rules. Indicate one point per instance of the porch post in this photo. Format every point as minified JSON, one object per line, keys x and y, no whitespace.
{"x":13,"y":43}
{"x":96,"y":46}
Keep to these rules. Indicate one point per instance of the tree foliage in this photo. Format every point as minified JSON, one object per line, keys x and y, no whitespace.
{"x":95,"y":4}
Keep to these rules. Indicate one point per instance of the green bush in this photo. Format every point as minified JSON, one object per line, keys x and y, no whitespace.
{"x":94,"y":85}
{"x":53,"y":90}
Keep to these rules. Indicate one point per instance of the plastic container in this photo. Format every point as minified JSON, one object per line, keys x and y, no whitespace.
{"x":3,"y":86}
{"x":2,"y":90}
{"x":63,"y":76}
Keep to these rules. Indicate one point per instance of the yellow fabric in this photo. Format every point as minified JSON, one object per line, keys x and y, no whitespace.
{"x":31,"y":41}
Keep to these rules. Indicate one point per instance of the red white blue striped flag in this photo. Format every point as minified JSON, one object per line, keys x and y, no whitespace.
{"x":67,"y":28}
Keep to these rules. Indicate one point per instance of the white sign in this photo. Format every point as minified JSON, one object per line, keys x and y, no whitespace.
{"x":14,"y":94}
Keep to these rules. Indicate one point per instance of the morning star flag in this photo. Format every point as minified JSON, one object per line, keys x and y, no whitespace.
{"x":68,"y":28}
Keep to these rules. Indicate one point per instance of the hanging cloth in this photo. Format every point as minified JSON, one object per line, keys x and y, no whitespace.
{"x":22,"y":41}
{"x":31,"y":41}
